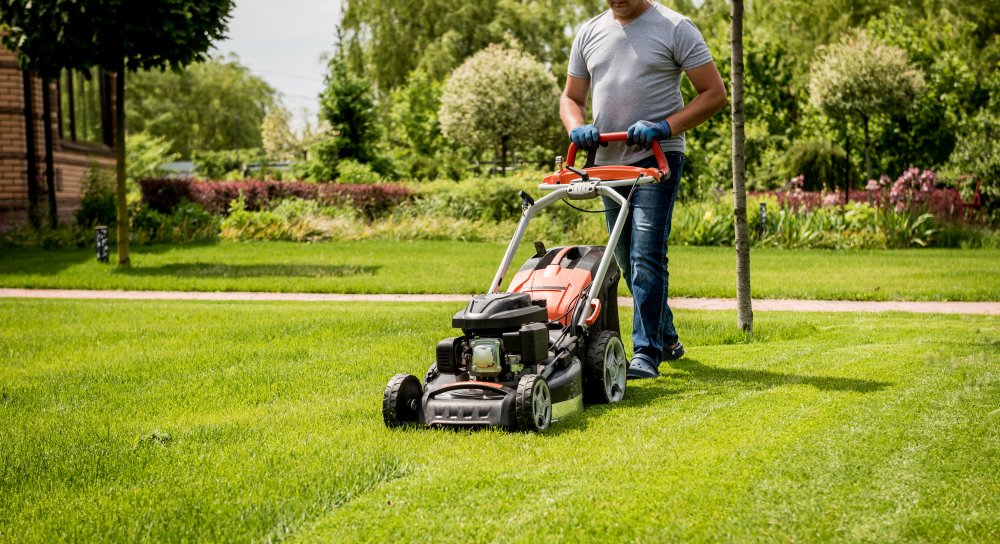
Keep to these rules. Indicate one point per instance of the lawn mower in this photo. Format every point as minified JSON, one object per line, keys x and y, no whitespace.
{"x":535,"y":354}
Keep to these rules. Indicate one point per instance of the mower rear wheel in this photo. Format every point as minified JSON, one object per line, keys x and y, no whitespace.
{"x":533,"y":404}
{"x":401,"y":400}
{"x":605,"y":369}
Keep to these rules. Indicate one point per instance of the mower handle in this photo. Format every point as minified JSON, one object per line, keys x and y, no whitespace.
{"x":661,"y":161}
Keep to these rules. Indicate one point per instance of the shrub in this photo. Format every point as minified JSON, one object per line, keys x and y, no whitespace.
{"x":353,"y":172}
{"x":245,"y":226}
{"x":162,"y":194}
{"x":370,"y":201}
{"x":98,"y":204}
{"x":187,"y":222}
{"x":216,"y":164}
{"x":820,"y":165}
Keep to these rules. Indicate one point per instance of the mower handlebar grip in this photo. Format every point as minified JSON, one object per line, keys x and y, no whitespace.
{"x":661,"y":161}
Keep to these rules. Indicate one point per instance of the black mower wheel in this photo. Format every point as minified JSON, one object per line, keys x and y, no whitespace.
{"x":401,"y":400}
{"x":605,"y":369}
{"x":533,"y":404}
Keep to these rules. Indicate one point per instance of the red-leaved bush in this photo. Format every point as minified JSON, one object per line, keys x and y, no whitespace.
{"x":914,"y":190}
{"x":371,"y":201}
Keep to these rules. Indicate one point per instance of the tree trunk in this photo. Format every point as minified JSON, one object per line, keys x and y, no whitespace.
{"x":744,"y":309}
{"x":503,"y":157}
{"x":847,"y":170}
{"x":123,"y":255}
{"x":50,"y":170}
{"x":868,"y":154}
{"x":29,"y":136}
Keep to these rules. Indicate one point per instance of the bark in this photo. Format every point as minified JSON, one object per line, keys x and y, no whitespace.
{"x":503,"y":157}
{"x":123,"y":254}
{"x":744,"y":309}
{"x":847,"y":171}
{"x":50,"y":170}
{"x":868,"y":154}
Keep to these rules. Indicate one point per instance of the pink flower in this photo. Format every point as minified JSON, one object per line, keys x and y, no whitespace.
{"x":872,"y":185}
{"x":831,"y":199}
{"x":900,"y":206}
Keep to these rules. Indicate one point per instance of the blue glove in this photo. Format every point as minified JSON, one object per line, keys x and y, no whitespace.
{"x":644,"y":133}
{"x":586,"y":137}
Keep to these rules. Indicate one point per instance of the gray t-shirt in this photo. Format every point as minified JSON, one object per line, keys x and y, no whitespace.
{"x":635,"y":73}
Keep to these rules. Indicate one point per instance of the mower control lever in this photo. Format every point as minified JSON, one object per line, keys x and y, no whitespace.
{"x":585,"y":177}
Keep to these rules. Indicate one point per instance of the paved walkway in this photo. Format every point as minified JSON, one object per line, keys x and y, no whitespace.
{"x":989,"y":308}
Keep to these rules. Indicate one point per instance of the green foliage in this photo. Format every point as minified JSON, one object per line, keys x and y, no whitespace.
{"x":861,"y":78}
{"x":390,"y":38}
{"x":145,"y":155}
{"x":353,"y":172}
{"x":283,"y":142}
{"x":217,"y":165}
{"x":194,"y":109}
{"x":186,"y":222}
{"x":821,"y":165}
{"x":53,"y":34}
{"x":499,"y":99}
{"x":978,"y":153}
{"x":245,"y":226}
{"x":347,"y":105}
{"x":98,"y":204}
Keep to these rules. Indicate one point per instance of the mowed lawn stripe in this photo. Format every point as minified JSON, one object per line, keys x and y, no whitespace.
{"x":465,"y":267}
{"x":257,"y":420}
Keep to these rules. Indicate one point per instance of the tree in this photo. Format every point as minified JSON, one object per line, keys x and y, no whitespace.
{"x":347,"y":105}
{"x":498,"y":99}
{"x":861,"y":78}
{"x":744,"y":309}
{"x":194,"y":108}
{"x":390,"y":38}
{"x":283,"y":142}
{"x":117,"y":35}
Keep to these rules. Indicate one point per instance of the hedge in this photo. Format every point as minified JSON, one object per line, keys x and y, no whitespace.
{"x":162,"y":194}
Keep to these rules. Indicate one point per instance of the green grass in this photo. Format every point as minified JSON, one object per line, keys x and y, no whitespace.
{"x":191,"y":421}
{"x":460,"y":267}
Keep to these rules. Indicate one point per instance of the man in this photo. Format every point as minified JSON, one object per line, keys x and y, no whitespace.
{"x":632,"y":57}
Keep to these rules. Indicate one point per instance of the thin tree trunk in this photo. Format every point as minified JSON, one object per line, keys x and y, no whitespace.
{"x":123,"y":254}
{"x":744,"y":309}
{"x":29,"y":136}
{"x":868,"y":154}
{"x":847,"y":171}
{"x":503,"y":157}
{"x":50,"y":170}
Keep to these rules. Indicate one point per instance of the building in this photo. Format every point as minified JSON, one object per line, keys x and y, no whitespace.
{"x":82,"y":132}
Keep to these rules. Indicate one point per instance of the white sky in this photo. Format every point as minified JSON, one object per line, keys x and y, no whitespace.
{"x":282,"y":41}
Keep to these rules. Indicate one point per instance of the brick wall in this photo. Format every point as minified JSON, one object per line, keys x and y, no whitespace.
{"x":70,"y":160}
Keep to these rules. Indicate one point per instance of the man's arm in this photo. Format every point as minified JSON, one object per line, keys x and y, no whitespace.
{"x":573,"y":103}
{"x":711,"y":98}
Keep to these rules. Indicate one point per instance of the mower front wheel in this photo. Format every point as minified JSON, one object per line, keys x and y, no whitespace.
{"x":533,"y":404}
{"x":401,"y":400}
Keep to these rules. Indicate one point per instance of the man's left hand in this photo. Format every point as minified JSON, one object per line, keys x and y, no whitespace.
{"x":644,"y":133}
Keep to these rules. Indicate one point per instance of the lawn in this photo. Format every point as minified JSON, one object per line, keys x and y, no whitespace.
{"x":461,"y":267}
{"x":194,"y":421}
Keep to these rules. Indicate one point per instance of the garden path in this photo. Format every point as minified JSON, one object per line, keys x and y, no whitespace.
{"x":782,"y":305}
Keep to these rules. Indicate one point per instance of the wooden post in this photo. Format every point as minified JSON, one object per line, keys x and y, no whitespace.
{"x":50,"y":170}
{"x":29,"y":137}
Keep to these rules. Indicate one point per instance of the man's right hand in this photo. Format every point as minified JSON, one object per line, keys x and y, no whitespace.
{"x":586,"y":137}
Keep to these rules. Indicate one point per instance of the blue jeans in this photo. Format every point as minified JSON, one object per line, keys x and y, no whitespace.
{"x":642,"y":254}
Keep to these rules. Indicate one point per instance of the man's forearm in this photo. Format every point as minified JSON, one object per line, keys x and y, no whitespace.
{"x":696,"y":112}
{"x":571,"y":112}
